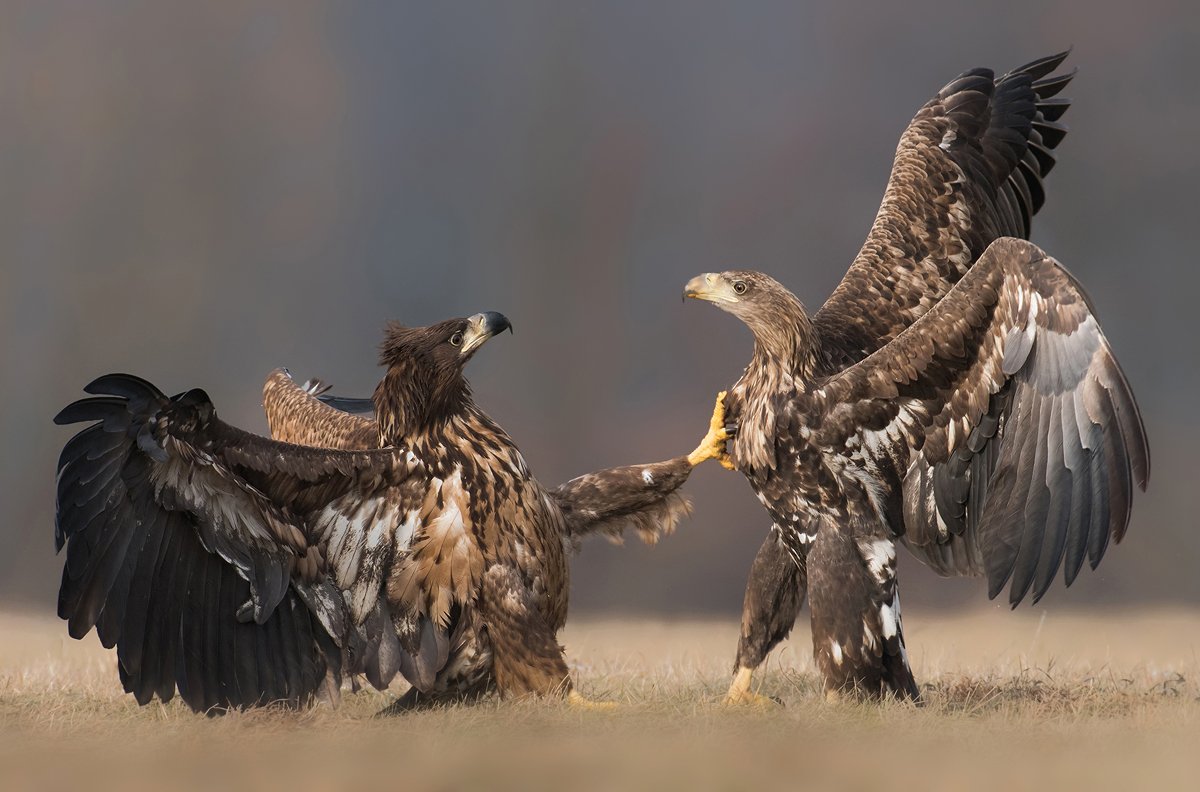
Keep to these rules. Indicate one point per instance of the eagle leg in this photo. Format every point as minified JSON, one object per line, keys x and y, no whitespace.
{"x":713,"y":444}
{"x":857,"y":634}
{"x":526,"y":656}
{"x":774,"y":593}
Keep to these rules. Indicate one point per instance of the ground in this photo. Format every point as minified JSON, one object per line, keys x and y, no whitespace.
{"x":1026,"y":700}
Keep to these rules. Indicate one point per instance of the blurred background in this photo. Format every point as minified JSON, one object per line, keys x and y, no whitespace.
{"x":198,"y":193}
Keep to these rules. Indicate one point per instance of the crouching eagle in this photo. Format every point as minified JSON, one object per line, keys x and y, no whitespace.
{"x":241,"y":570}
{"x":984,"y":420}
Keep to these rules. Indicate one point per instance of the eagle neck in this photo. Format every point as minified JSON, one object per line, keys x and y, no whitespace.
{"x":407,"y":408}
{"x":783,"y":345}
{"x":467,"y":439}
{"x":781,"y":366}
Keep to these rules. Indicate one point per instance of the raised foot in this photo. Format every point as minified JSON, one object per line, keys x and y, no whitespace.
{"x":577,"y":701}
{"x":713,"y":444}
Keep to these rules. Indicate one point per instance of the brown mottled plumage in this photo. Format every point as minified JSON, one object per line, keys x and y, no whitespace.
{"x":968,"y":170}
{"x":242,"y":570}
{"x":296,"y":416}
{"x":909,"y":442}
{"x":644,"y":497}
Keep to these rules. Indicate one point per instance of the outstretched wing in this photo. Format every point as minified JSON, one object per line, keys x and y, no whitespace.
{"x":307,"y":416}
{"x":644,"y":497}
{"x":1014,"y":347}
{"x":968,"y":170}
{"x":188,"y":546}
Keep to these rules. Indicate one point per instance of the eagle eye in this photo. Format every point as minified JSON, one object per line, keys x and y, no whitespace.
{"x":456,"y":339}
{"x":739,"y":287}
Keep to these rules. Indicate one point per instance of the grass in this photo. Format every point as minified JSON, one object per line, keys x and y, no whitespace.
{"x":1107,"y":700}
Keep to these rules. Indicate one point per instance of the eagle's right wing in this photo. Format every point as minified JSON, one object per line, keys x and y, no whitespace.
{"x":968,"y":170}
{"x":239,"y":569}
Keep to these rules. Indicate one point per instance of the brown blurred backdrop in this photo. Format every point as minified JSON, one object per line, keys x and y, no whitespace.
{"x":199,"y":192}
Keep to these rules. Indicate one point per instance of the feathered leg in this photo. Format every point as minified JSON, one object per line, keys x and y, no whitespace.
{"x":526,"y":656}
{"x":774,"y":594}
{"x":858,"y":638}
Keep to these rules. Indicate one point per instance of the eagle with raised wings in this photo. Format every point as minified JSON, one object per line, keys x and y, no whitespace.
{"x":241,"y":570}
{"x":955,"y":393}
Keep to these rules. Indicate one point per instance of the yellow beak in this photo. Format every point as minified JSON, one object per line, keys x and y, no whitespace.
{"x":709,"y":287}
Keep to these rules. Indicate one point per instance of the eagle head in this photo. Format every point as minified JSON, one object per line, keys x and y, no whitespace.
{"x":780,"y":324}
{"x":424,"y":383}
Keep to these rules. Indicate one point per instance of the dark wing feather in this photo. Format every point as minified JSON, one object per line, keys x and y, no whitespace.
{"x":346,"y":404}
{"x":187,"y":546}
{"x":1016,"y":331}
{"x":968,"y":170}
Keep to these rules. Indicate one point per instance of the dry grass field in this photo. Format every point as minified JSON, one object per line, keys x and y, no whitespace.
{"x":1015,"y":701}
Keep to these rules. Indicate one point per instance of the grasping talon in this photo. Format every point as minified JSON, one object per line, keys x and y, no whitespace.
{"x":576,"y":700}
{"x":713,"y":444}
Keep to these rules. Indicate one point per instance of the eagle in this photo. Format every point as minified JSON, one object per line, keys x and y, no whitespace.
{"x":240,"y":570}
{"x":955,"y":394}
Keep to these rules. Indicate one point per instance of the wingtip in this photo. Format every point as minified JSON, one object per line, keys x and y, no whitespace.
{"x":96,"y":408}
{"x":117,"y":384}
{"x":1040,"y":67}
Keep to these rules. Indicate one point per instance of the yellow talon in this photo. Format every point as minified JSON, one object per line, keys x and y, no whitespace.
{"x":740,"y":694}
{"x":713,"y":444}
{"x":575,"y":700}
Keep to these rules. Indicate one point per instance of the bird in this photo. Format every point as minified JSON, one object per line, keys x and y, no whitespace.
{"x":996,"y":435}
{"x":965,"y":184}
{"x":241,"y":571}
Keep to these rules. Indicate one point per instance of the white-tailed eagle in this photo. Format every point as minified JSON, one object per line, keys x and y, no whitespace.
{"x":241,"y":570}
{"x":954,"y":393}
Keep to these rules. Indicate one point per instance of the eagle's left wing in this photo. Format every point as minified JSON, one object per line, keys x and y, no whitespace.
{"x":644,"y":497}
{"x":968,"y":170}
{"x":1014,"y":347}
{"x":305,"y":416}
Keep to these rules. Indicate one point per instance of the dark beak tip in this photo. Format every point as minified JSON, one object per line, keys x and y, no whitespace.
{"x":496,"y":322}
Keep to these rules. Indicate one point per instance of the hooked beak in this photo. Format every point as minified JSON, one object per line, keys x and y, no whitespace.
{"x":483,"y":326}
{"x":709,"y":287}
